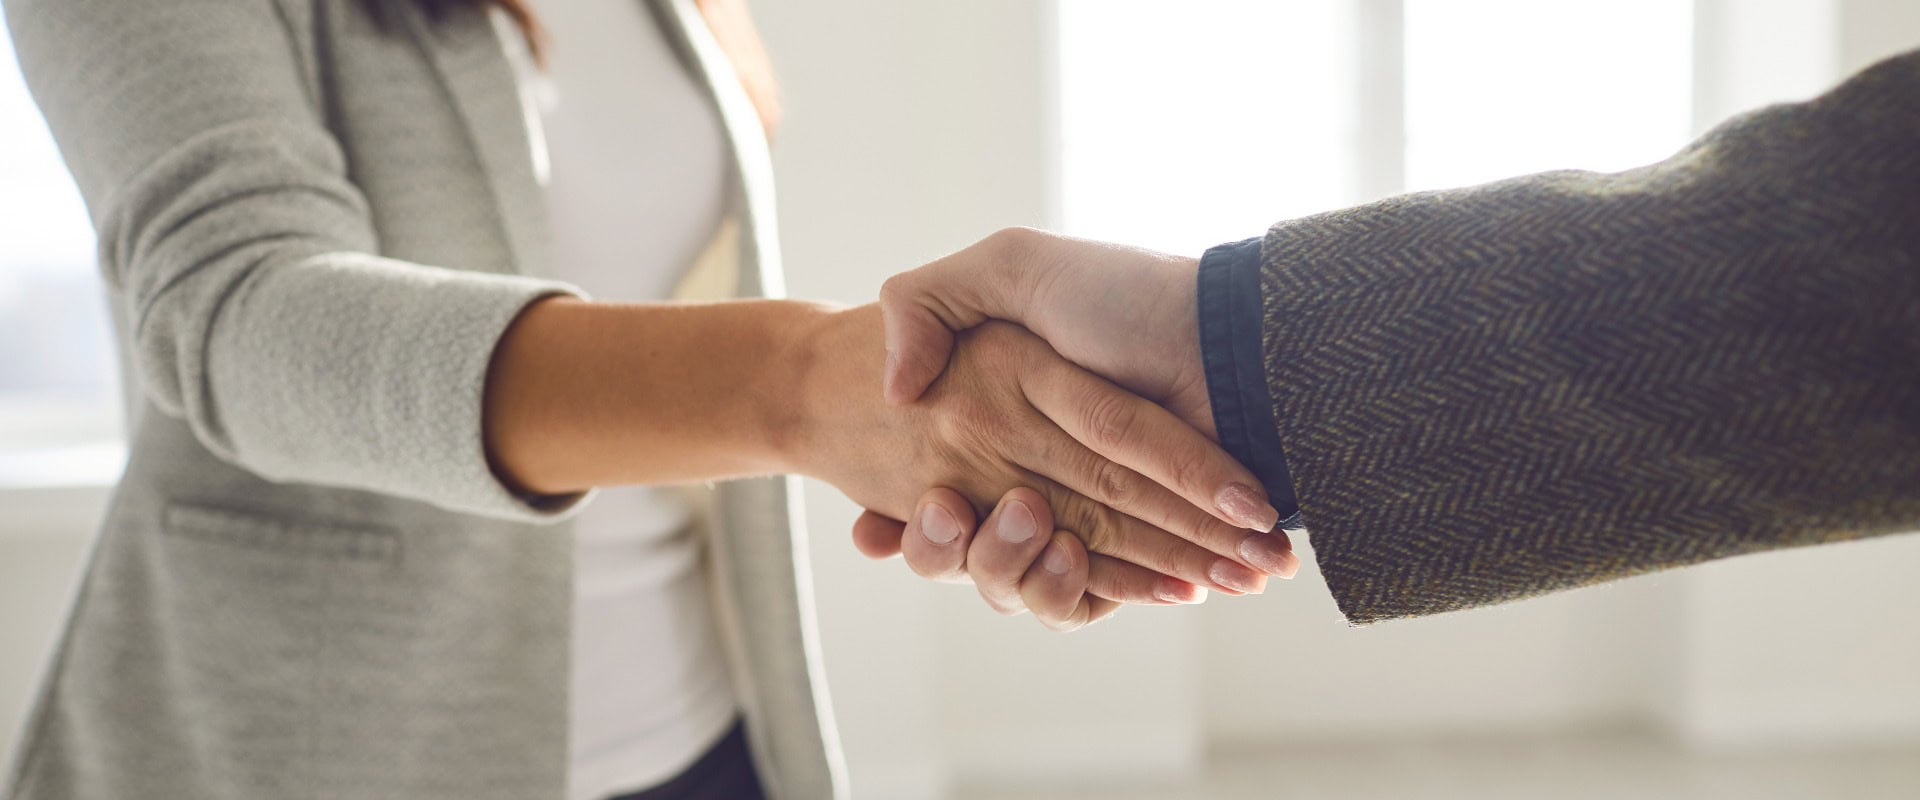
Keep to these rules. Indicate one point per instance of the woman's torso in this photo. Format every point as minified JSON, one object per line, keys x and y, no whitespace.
{"x":240,"y":636}
{"x":637,"y":177}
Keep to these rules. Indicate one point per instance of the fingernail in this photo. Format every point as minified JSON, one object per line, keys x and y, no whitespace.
{"x":1268,"y":554}
{"x":1016,"y":523}
{"x":1245,"y":507}
{"x":937,"y":525}
{"x":1235,"y":576}
{"x":1174,"y":590}
{"x":1055,"y":561}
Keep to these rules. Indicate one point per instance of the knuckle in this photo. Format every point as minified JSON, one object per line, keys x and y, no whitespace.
{"x":1109,"y":418}
{"x":1094,"y":525}
{"x":1172,"y":554}
{"x":1208,"y":531}
{"x":1001,"y":606}
{"x":968,"y":425}
{"x":1187,"y":467}
{"x":1113,"y":484}
{"x":1013,"y":240}
{"x":893,"y":289}
{"x":926,"y":566}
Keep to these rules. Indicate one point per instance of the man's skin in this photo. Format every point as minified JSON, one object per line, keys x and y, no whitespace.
{"x":1126,"y":313}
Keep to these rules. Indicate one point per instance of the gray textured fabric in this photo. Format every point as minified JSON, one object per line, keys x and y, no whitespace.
{"x":1548,"y":382}
{"x":315,"y":228}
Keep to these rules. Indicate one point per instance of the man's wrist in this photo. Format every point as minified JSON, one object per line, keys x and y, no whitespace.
{"x":1232,"y":355}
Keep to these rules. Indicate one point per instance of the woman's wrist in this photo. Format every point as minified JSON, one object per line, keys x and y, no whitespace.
{"x":816,"y":414}
{"x":585,"y":394}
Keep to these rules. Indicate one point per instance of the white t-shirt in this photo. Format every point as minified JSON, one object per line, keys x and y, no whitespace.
{"x":638,"y":170}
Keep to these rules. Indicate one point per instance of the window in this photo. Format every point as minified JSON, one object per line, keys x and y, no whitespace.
{"x":59,"y":391}
{"x":1185,"y":125}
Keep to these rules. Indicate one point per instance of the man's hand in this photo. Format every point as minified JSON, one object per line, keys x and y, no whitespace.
{"x":1010,"y":412}
{"x":1124,"y":313}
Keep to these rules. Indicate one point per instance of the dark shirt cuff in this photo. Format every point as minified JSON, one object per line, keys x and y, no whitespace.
{"x":1230,"y":350}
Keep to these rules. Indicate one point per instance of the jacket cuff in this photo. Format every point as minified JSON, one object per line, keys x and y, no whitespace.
{"x":1231,"y":353}
{"x":369,"y":373}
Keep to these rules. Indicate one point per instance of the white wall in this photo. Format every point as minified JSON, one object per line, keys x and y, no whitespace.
{"x":1817,"y":647}
{"x":918,"y":127}
{"x":914,"y":129}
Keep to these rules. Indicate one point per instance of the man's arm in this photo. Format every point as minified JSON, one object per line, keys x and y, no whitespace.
{"x":1496,"y":392}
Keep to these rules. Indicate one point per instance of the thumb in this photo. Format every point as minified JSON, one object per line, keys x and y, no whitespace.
{"x":918,"y":341}
{"x":921,"y":309}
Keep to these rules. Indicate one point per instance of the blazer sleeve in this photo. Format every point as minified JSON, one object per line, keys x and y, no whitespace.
{"x":1548,"y":382}
{"x":246,"y":261}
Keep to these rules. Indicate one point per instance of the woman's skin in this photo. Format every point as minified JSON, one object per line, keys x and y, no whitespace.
{"x":585,"y":394}
{"x":1046,"y":576}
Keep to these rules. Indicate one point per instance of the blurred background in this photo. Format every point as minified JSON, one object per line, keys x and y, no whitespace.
{"x":916,"y":128}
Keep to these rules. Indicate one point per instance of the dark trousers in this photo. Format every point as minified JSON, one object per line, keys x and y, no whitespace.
{"x":724,"y":773}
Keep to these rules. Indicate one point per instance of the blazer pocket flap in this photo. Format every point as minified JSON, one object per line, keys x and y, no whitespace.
{"x":267,"y":531}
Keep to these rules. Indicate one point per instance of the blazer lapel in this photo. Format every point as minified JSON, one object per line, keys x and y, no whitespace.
{"x":471,"y":64}
{"x":761,"y":274}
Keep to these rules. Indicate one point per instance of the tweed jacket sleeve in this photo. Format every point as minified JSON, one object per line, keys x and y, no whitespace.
{"x":1495,"y":392}
{"x":247,"y":260}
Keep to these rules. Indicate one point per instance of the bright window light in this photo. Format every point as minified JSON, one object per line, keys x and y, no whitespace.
{"x":1185,"y":125}
{"x":1497,"y":88}
{"x":59,"y":393}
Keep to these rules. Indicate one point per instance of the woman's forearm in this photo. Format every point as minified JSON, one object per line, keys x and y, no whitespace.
{"x":585,"y":394}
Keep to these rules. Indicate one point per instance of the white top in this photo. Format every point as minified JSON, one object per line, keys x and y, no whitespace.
{"x":637,"y":167}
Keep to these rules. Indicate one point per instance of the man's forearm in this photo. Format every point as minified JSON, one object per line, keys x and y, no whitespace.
{"x":1500,"y":391}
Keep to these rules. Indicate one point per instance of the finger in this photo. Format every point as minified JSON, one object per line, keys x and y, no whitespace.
{"x":1055,"y":585}
{"x":1272,"y":553}
{"x":918,"y":343}
{"x":877,"y":536}
{"x":1148,"y":439}
{"x":1117,"y":581}
{"x":1105,"y":529}
{"x":1110,"y":484}
{"x":1114,"y":581}
{"x":937,"y":536}
{"x":1099,"y":608}
{"x":1009,"y":543}
{"x":921,"y":309}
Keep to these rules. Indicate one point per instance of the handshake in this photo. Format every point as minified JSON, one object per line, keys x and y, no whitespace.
{"x":1484,"y":394}
{"x":1055,"y":386}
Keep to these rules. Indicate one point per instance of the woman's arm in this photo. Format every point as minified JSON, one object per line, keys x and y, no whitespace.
{"x":244,"y":257}
{"x":588,"y":394}
{"x":244,"y":252}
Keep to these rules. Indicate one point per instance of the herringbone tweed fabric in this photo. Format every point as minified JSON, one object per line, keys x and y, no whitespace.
{"x":1500,"y":391}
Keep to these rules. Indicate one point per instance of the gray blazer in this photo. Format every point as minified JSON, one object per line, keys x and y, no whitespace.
{"x":315,"y":225}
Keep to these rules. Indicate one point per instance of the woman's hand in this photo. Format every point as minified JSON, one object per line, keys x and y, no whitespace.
{"x":1049,"y":576}
{"x":1010,"y":412}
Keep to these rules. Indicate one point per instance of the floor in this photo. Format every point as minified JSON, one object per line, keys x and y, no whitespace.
{"x":1567,"y":768}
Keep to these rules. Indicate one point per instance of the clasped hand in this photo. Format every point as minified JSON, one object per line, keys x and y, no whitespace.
{"x":1109,"y":487}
